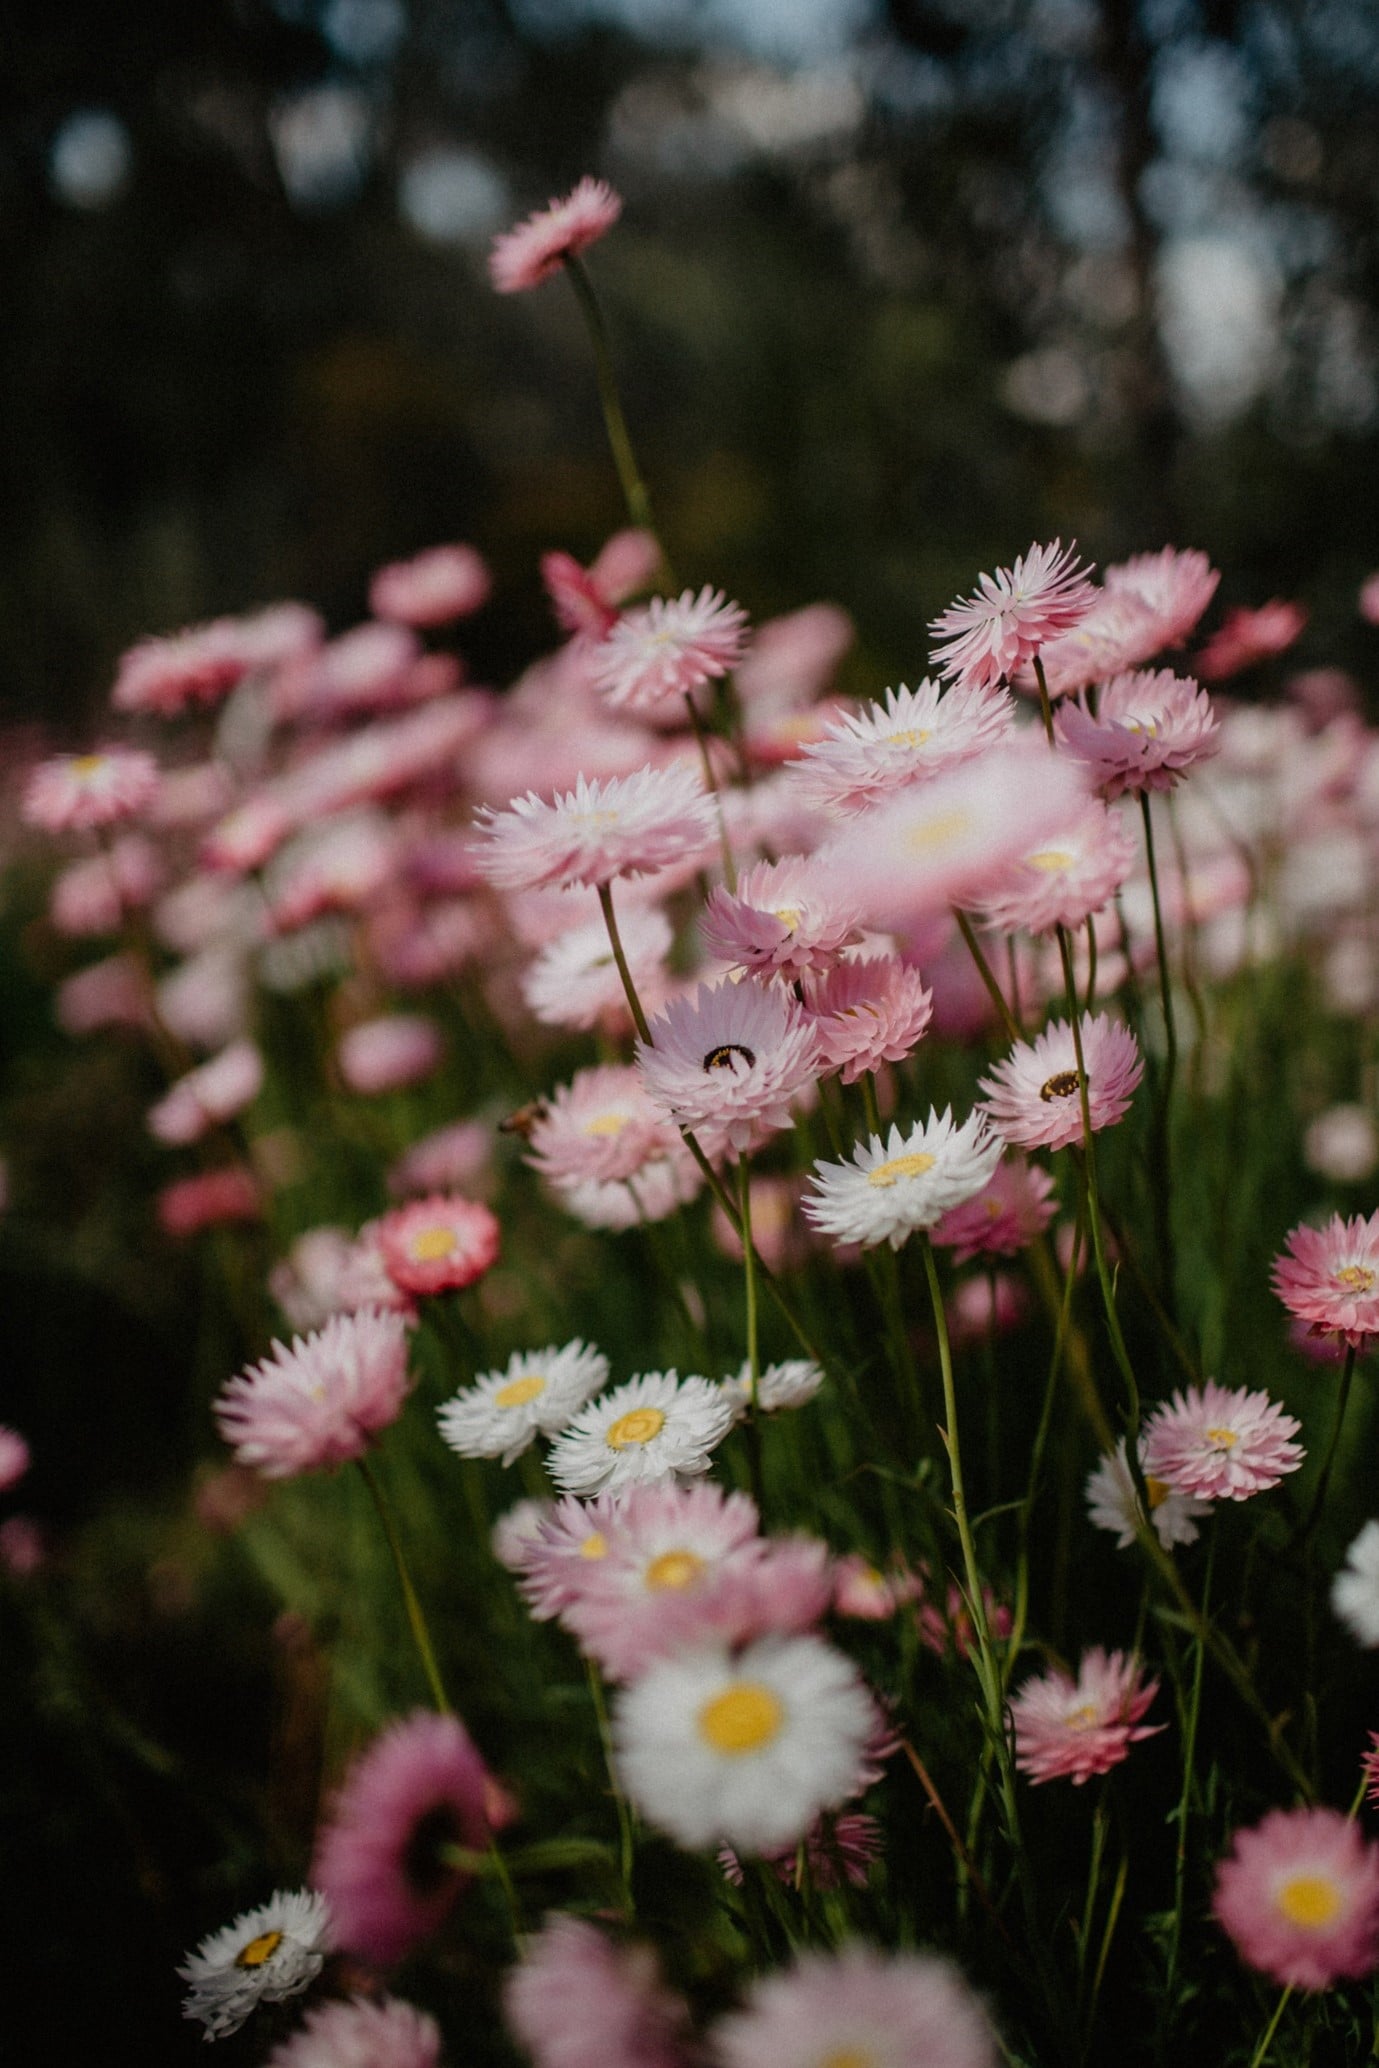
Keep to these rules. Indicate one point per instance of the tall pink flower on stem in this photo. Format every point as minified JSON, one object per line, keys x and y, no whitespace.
{"x":1071,"y":1729}
{"x":1220,"y":1444}
{"x":1298,"y":1897}
{"x":1150,"y":728}
{"x":525,"y":256}
{"x":575,"y":2000}
{"x":988,"y":638}
{"x":1329,"y":1278}
{"x":1033,"y":1097}
{"x":384,"y":1859}
{"x":321,"y":1402}
{"x":867,"y":754}
{"x":1064,"y":879}
{"x":669,"y":648}
{"x":439,"y":1244}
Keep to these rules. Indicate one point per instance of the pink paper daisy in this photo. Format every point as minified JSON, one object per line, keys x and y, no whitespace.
{"x":1329,"y":1278}
{"x":602,"y":1125}
{"x":439,"y":1244}
{"x":785,"y":919}
{"x":433,"y":588}
{"x":450,"y":1159}
{"x":871,"y":1595}
{"x":321,"y":1402}
{"x":729,"y":1061}
{"x":388,"y":1053}
{"x":1219,"y":1444}
{"x":93,"y":896}
{"x":574,"y":981}
{"x":1066,"y":878}
{"x":585,"y":599}
{"x":1150,"y":729}
{"x":887,"y":2010}
{"x":361,"y":2034}
{"x":1174,"y":587}
{"x":659,"y":1189}
{"x":367,"y":669}
{"x":210,"y":1199}
{"x":209,"y":1095}
{"x":198,"y":666}
{"x":1119,"y":631}
{"x":629,"y":826}
{"x":870,"y":753}
{"x":1070,"y":1730}
{"x":1033,"y":1097}
{"x":525,"y":256}
{"x":338,"y":867}
{"x":866,"y":1013}
{"x":1298,"y":1896}
{"x":565,"y":1539}
{"x":575,"y":2000}
{"x":1014,"y":1207}
{"x":987,"y":638}
{"x":75,"y":792}
{"x":837,"y":1850}
{"x":380,"y":1859}
{"x":669,"y":648}
{"x":1248,"y":636}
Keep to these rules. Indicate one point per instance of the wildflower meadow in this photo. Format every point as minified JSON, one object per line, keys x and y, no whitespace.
{"x":784,"y":1294}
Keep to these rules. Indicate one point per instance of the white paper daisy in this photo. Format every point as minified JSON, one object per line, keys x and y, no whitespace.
{"x":908,"y":1181}
{"x":1111,"y":1504}
{"x":779,"y":1385}
{"x":1355,"y":1589}
{"x":744,"y":1749}
{"x":265,"y":1955}
{"x":498,"y":1416}
{"x":657,"y":1426}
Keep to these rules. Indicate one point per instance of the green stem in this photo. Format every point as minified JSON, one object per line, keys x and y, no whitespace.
{"x":624,"y":459}
{"x":1161,"y":948}
{"x":1185,"y":1796}
{"x":1257,"y":2058}
{"x":984,"y":971}
{"x":1162,"y":1134}
{"x":420,"y":1634}
{"x":625,"y":1833}
{"x":1045,"y":704}
{"x":701,"y":740}
{"x":1319,"y":1497}
{"x":749,"y":1273}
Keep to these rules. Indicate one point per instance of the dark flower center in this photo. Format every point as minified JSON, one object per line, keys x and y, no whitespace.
{"x":1061,"y":1086}
{"x":724,"y":1057}
{"x":424,"y":1866}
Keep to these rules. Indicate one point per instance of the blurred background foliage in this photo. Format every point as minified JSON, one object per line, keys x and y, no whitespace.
{"x":899,"y":288}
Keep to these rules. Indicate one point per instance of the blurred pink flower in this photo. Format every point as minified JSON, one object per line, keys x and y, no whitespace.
{"x":388,"y":1053}
{"x":198,"y":666}
{"x":209,"y":1200}
{"x":884,"y":747}
{"x":785,"y":919}
{"x":1248,"y":636}
{"x":452,"y":1158}
{"x":1070,"y":1730}
{"x":361,"y":2033}
{"x":575,"y":2000}
{"x":433,"y":588}
{"x":525,"y":256}
{"x":92,"y":897}
{"x":1016,"y":1205}
{"x":585,"y":600}
{"x":77,"y":792}
{"x":14,"y":1457}
{"x":669,"y":648}
{"x":1068,"y":876}
{"x":208,"y":1096}
{"x":1298,"y":1896}
{"x":634,"y":825}
{"x":1174,"y":586}
{"x":602,"y":1125}
{"x":112,"y":993}
{"x":321,"y":1402}
{"x":858,"y":2005}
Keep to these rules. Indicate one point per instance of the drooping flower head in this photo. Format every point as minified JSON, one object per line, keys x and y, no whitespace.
{"x":728,"y":1062}
{"x":657,"y":1426}
{"x":1298,"y":1896}
{"x":1150,"y":728}
{"x":1071,"y":1729}
{"x":669,"y":648}
{"x":575,"y":2000}
{"x":1329,"y":1278}
{"x":785,"y":919}
{"x":361,"y":2033}
{"x":628,"y":826}
{"x":987,"y":638}
{"x":440,"y":1244}
{"x":267,"y":1954}
{"x":1220,"y":1444}
{"x":1248,"y":636}
{"x":76,"y":792}
{"x":525,"y":256}
{"x":321,"y":1402}
{"x":908,"y":738}
{"x":1033,"y":1096}
{"x":540,"y":1391}
{"x":1014,"y":1206}
{"x":889,"y":1189}
{"x":1174,"y":587}
{"x":861,"y":2007}
{"x":380,"y":1858}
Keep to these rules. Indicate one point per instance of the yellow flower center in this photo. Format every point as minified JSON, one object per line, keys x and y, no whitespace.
{"x":1050,"y":860}
{"x":936,"y":832}
{"x":742,"y":1719}
{"x":1158,"y":1491}
{"x":674,"y":1569}
{"x":429,"y":1245}
{"x":86,"y":766}
{"x":915,"y":736}
{"x":607,"y":1123}
{"x":789,"y":916}
{"x":259,"y":1950}
{"x":518,"y":1392}
{"x":898,"y":1167}
{"x":1356,"y":1278}
{"x":637,"y":1427}
{"x":849,"y":2057}
{"x":595,"y":1545}
{"x":1223,"y":1439}
{"x":594,"y":821}
{"x":1061,"y":1085}
{"x":1081,"y":1719}
{"x":1148,"y":726}
{"x":1309,"y":1900}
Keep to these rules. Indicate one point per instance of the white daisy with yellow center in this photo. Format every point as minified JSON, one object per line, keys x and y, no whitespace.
{"x":538,"y":1393}
{"x":1112,"y":1504}
{"x":785,"y":1385}
{"x":657,"y":1426}
{"x":265,"y":1955}
{"x":747,"y":1748}
{"x":908,"y":1181}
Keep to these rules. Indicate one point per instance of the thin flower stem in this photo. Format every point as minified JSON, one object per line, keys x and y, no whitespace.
{"x":1257,"y":2057}
{"x":966,"y":1863}
{"x":420,"y":1634}
{"x":984,"y":971}
{"x":1089,"y":1901}
{"x":749,"y":1273}
{"x":1045,"y":704}
{"x":634,"y":1003}
{"x":626,"y":1839}
{"x":1161,"y":947}
{"x":1185,"y":1797}
{"x":624,"y":459}
{"x":1319,"y":1497}
{"x":1162,"y":1135}
{"x":701,"y":740}
{"x":1091,"y":966}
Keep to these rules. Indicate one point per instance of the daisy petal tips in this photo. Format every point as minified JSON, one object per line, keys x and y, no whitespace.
{"x":891,"y":1188}
{"x":525,"y":256}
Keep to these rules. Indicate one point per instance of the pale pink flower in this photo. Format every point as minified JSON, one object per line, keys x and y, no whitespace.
{"x":669,"y":648}
{"x":988,"y":638}
{"x":1066,"y":878}
{"x":198,"y":666}
{"x":336,"y":867}
{"x":308,"y":1283}
{"x":1150,"y":728}
{"x":772,"y":737}
{"x":1329,"y":1278}
{"x":1248,"y":636}
{"x":889,"y":2010}
{"x":585,"y":600}
{"x":367,"y":669}
{"x":14,"y":1458}
{"x":792,"y":660}
{"x":1220,"y":1444}
{"x":419,"y":750}
{"x":1033,"y":1096}
{"x":205,"y":1001}
{"x":321,"y":1402}
{"x":438,"y":1244}
{"x":388,"y":1053}
{"x":867,"y":1012}
{"x":870,"y":1593}
{"x":1005,"y":1217}
{"x":1119,"y":631}
{"x":984,"y":1306}
{"x":868,"y":754}
{"x":112,"y":993}
{"x":552,"y":1562}
{"x":433,"y":588}
{"x":208,"y":1096}
{"x":949,"y":1628}
{"x":248,"y":834}
{"x":380,"y":1858}
{"x":92,"y":897}
{"x":947,"y":841}
{"x":454,"y":1158}
{"x":660,"y":1188}
{"x":785,"y":919}
{"x":575,"y":2000}
{"x":1071,"y":1729}
{"x":730,"y":1061}
{"x":515,"y":1534}
{"x":209,"y":1199}
{"x":23,"y":1546}
{"x":1298,"y":1896}
{"x":601,"y":1125}
{"x":76,"y":792}
{"x":1175,"y":588}
{"x":277,"y":634}
{"x":574,"y":981}
{"x":779,"y":1235}
{"x":361,"y":2033}
{"x":525,"y":256}
{"x":662,"y":1542}
{"x":633,"y":825}
{"x":415,"y":947}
